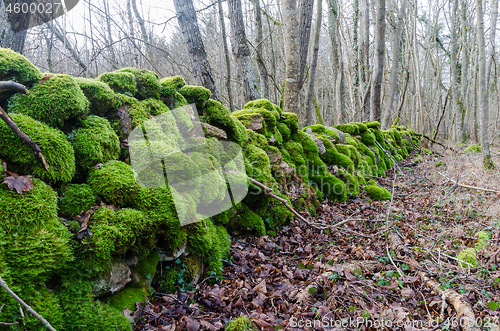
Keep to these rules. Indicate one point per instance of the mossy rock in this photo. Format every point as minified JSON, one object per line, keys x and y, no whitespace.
{"x":257,"y":139}
{"x":120,"y":82}
{"x":214,"y":113}
{"x":348,"y":128}
{"x":135,"y":109}
{"x":241,"y":323}
{"x":77,"y":198}
{"x":154,"y":107}
{"x":328,"y":132}
{"x":126,"y":298}
{"x":15,"y":67}
{"x":147,"y":83}
{"x":246,"y":222}
{"x":52,"y":101}
{"x":333,"y":157}
{"x":195,"y":94}
{"x":372,"y":124}
{"x":351,"y":181}
{"x":270,"y":117}
{"x":169,"y":92}
{"x":115,"y":183}
{"x":468,"y":255}
{"x":378,"y":193}
{"x":291,"y":120}
{"x":100,"y":96}
{"x":284,"y":130}
{"x":263,"y":103}
{"x":94,"y":142}
{"x":20,"y":158}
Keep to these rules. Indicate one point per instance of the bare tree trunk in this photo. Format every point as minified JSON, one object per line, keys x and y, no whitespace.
{"x":455,"y":107}
{"x":292,"y":56}
{"x":264,"y":81}
{"x":482,"y":88}
{"x":143,"y":31}
{"x":14,"y":36}
{"x":306,"y":11}
{"x":363,"y":55}
{"x":395,"y":67}
{"x":226,"y":55}
{"x":493,"y":30}
{"x":188,"y":23}
{"x":378,"y":65}
{"x":114,"y":63}
{"x":462,"y":132}
{"x":241,"y":52}
{"x":310,"y":93}
{"x":62,"y":38}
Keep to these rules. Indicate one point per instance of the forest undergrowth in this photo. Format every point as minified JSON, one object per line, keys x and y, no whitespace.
{"x":348,"y":277}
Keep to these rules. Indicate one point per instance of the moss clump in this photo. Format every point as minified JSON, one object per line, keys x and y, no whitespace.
{"x":257,"y":164}
{"x":195,"y":94}
{"x":269,"y":117}
{"x":56,"y":149}
{"x":263,"y":103}
{"x":120,"y":82}
{"x":100,"y":96}
{"x":348,"y":128}
{"x":245,"y":222}
{"x":333,"y":157}
{"x":214,"y":113}
{"x":468,"y":255}
{"x":126,"y":298}
{"x":115,"y":183}
{"x":372,"y":124}
{"x":95,"y":142}
{"x":147,"y":83}
{"x":473,"y":149}
{"x":14,"y":66}
{"x":77,"y":198}
{"x":134,"y":108}
{"x":241,"y":323}
{"x":115,"y":232}
{"x":82,"y":312}
{"x":285,"y":131}
{"x":440,"y":163}
{"x":483,"y":238}
{"x":53,"y":101}
{"x":378,"y":193}
{"x":318,"y":128}
{"x":291,"y":120}
{"x":154,"y":107}
{"x":169,"y":91}
{"x":351,"y":182}
{"x":257,"y":139}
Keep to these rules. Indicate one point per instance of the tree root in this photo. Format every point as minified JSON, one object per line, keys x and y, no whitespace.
{"x":465,"y":314}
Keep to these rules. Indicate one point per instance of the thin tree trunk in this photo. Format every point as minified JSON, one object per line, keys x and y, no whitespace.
{"x":306,"y":12}
{"x":455,"y":107}
{"x":188,"y":23}
{"x":378,"y":65}
{"x":143,"y":31}
{"x":15,"y":27}
{"x":363,"y":55}
{"x":462,"y":133}
{"x":292,"y":56}
{"x":114,"y":63}
{"x":264,"y":81}
{"x":482,"y":88}
{"x":310,"y":93}
{"x":241,"y":52}
{"x":226,"y":55}
{"x":395,"y":67}
{"x":62,"y":38}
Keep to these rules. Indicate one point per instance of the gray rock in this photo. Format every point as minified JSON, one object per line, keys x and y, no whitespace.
{"x":164,"y":257}
{"x":274,"y":157}
{"x":256,"y":123}
{"x":113,"y":281}
{"x":341,"y":135}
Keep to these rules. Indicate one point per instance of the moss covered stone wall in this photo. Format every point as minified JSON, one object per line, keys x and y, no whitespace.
{"x":89,"y":238}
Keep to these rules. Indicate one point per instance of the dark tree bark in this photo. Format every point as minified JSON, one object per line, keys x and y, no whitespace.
{"x":241,"y":51}
{"x":306,"y":11}
{"x":188,"y":23}
{"x":9,"y":38}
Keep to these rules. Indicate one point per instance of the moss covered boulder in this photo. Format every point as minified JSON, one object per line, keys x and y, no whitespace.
{"x":15,"y":67}
{"x":147,"y":83}
{"x":120,"y":82}
{"x":52,"y":101}
{"x":20,"y":158}
{"x":100,"y":96}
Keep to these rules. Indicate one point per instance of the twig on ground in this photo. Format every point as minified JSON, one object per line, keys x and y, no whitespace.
{"x":394,"y":264}
{"x":468,"y":186}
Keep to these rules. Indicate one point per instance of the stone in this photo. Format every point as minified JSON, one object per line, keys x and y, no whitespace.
{"x":213,"y":131}
{"x":171,"y":257}
{"x":256,"y":123}
{"x":274,"y":157}
{"x":113,"y":281}
{"x":341,"y":135}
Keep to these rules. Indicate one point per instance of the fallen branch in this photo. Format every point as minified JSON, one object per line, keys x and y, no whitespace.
{"x":438,"y":143}
{"x":10,"y":85}
{"x":468,"y":186}
{"x":28,"y":308}
{"x":269,"y":191}
{"x":390,"y":157}
{"x":465,"y":314}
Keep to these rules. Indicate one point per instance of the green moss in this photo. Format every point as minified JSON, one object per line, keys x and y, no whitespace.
{"x":174,"y":82}
{"x":284,"y":130}
{"x":100,"y":96}
{"x":291,"y":120}
{"x":120,"y":82}
{"x":20,"y":158}
{"x":319,"y":128}
{"x":473,"y":149}
{"x":361,"y":127}
{"x":271,"y":233}
{"x":77,"y":198}
{"x":154,"y":107}
{"x":195,"y":94}
{"x":115,"y":183}
{"x":15,"y":67}
{"x":257,"y":139}
{"x":351,"y":182}
{"x":350,"y":140}
{"x":468,"y":255}
{"x":126,"y":298}
{"x":147,"y":83}
{"x":54,"y":101}
{"x":368,"y":138}
{"x":82,"y":312}
{"x":95,"y":142}
{"x":136,"y":109}
{"x":246,"y":222}
{"x":269,"y":117}
{"x":169,"y":92}
{"x":241,"y":323}
{"x":372,"y":124}
{"x":263,"y":103}
{"x":145,"y":270}
{"x":258,"y":163}
{"x":333,"y":157}
{"x":214,"y":113}
{"x":483,"y":238}
{"x":378,"y":193}
{"x":348,"y":128}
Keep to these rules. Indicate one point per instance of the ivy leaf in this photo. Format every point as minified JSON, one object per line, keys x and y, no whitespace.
{"x":19,"y":183}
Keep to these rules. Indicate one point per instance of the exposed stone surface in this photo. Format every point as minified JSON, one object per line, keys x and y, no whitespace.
{"x":167,"y":257}
{"x":274,"y":157}
{"x":213,"y":131}
{"x":341,"y":135}
{"x":256,"y":123}
{"x":114,"y":281}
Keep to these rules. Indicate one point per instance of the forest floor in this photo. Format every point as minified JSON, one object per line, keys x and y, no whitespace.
{"x":348,"y":277}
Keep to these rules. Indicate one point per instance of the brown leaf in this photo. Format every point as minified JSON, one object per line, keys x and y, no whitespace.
{"x":19,"y":183}
{"x":350,"y":276}
{"x":44,"y":79}
{"x":261,"y":287}
{"x":192,"y":324}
